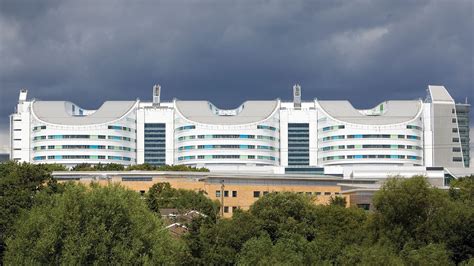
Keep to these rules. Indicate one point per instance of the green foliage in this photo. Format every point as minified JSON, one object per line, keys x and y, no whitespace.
{"x":432,"y":254}
{"x":96,"y":225}
{"x":369,"y":255}
{"x":137,"y":167}
{"x":408,"y":210}
{"x":412,"y":224}
{"x":462,"y":189}
{"x":261,"y":251}
{"x":338,"y":201}
{"x":98,"y":167}
{"x":19,"y":183}
{"x":162,"y":195}
{"x":283,"y":212}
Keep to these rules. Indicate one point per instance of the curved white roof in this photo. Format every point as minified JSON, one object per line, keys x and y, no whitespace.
{"x":206,"y":113}
{"x":394,"y":112}
{"x":59,"y":112}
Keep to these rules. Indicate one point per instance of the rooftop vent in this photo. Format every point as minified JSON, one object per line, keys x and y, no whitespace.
{"x":23,"y":94}
{"x":156,"y":95}
{"x":297,"y":96}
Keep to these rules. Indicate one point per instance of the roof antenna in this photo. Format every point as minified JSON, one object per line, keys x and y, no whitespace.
{"x":297,"y":96}
{"x":156,"y":95}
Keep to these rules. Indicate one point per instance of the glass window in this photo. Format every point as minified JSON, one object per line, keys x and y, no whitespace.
{"x":234,"y":194}
{"x":218,"y":193}
{"x":256,"y":194}
{"x":226,"y":193}
{"x":226,"y":209}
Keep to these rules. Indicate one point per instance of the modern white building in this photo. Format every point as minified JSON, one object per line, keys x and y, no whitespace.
{"x":261,"y":136}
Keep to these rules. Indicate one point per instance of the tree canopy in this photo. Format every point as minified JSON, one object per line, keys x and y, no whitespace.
{"x":100,"y":225}
{"x":136,"y":167}
{"x":412,"y":223}
{"x":162,"y":195}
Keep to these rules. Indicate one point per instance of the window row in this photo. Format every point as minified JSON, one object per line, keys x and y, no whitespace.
{"x":226,"y":193}
{"x":230,"y":136}
{"x":225,"y":146}
{"x":120,"y":128}
{"x":39,"y":128}
{"x":332,"y":128}
{"x":81,"y":157}
{"x":267,"y":127}
{"x":82,"y":137}
{"x":224,"y":156}
{"x":414,"y":127}
{"x":258,"y":194}
{"x":186,"y":127}
{"x":378,"y":156}
{"x":226,"y":208}
{"x":371,"y":136}
{"x":75,"y":147}
{"x":371,"y":146}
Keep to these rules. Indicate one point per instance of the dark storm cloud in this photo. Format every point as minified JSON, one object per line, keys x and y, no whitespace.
{"x":227,"y":52}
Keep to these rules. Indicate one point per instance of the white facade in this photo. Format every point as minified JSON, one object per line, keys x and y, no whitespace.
{"x":258,"y":135}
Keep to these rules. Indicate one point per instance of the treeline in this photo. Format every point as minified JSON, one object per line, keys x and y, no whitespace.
{"x":136,"y":167}
{"x":43,"y":222}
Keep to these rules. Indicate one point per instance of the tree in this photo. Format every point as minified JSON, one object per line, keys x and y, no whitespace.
{"x":409,"y":210}
{"x":462,"y":189}
{"x":19,"y":183}
{"x":338,"y":201}
{"x":376,"y":254}
{"x":95,"y":225}
{"x":98,"y":167}
{"x":220,"y":243}
{"x":162,"y":195}
{"x":432,"y":254}
{"x":284,"y":212}
{"x":261,"y":251}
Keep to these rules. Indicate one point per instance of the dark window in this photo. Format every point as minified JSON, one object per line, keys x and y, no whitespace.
{"x":364,"y":206}
{"x":455,"y":130}
{"x":226,"y":209}
{"x":234,"y":194}
{"x":256,"y":194}
{"x":456,"y":149}
{"x":226,"y":193}
{"x":454,"y":120}
{"x":457,"y":159}
{"x":327,"y":193}
{"x":234,"y":208}
{"x":456,"y":140}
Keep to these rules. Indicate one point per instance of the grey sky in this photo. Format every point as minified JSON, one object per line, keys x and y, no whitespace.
{"x":230,"y":51}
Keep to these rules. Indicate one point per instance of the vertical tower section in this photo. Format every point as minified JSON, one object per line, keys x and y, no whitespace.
{"x":155,"y":132}
{"x":462,"y":115}
{"x":446,"y":144}
{"x":20,"y":142}
{"x":155,"y":143}
{"x":298,"y":144}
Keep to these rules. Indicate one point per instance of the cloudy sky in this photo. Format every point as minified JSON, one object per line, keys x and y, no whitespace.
{"x":230,"y":51}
